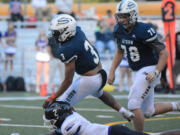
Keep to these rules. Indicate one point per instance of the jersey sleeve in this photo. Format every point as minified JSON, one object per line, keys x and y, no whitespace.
{"x":150,"y":34}
{"x":67,"y":55}
{"x":151,"y":39}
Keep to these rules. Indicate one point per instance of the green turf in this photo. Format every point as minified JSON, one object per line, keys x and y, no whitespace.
{"x":29,"y":116}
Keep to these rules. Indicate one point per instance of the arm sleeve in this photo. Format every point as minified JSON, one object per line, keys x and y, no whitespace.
{"x":157,"y":46}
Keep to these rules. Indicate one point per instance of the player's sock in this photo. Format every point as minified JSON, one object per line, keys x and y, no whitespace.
{"x":176,"y":106}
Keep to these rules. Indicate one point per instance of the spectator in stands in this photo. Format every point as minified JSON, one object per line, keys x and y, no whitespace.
{"x":110,"y":20}
{"x":177,"y":59}
{"x":125,"y":71}
{"x":15,"y":10}
{"x":56,"y":64}
{"x":41,"y":11}
{"x":10,"y":45}
{"x":104,"y":38}
{"x":42,"y":59}
{"x":64,"y":7}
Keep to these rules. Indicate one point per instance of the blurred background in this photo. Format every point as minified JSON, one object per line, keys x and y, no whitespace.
{"x":24,"y":22}
{"x":29,"y":66}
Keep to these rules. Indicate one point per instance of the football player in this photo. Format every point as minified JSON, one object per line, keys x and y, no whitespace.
{"x":80,"y":57}
{"x":146,"y":56}
{"x":60,"y":117}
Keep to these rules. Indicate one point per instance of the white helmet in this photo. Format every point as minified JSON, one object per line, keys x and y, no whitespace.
{"x":63,"y":27}
{"x":127,"y":7}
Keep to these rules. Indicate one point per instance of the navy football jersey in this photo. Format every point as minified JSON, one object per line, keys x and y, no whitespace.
{"x":79,"y":48}
{"x":136,"y":45}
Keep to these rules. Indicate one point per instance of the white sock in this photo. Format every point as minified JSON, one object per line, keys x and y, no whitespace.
{"x":174,"y":106}
{"x":122,"y":109}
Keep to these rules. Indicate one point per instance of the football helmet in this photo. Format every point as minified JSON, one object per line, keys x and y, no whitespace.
{"x":63,"y":27}
{"x":56,"y":113}
{"x":127,"y":9}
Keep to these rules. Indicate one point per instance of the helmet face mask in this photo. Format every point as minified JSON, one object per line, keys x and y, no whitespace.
{"x":56,"y":113}
{"x":50,"y":123}
{"x":63,"y":27}
{"x":127,"y":13}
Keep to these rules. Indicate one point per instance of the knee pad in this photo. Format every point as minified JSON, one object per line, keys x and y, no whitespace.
{"x":134,"y":104}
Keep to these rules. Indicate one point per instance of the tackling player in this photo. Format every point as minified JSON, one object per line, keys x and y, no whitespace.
{"x":146,"y":56}
{"x":80,"y":57}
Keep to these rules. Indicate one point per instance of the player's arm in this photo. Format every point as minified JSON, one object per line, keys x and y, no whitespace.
{"x":69,"y":74}
{"x":163,"y":54}
{"x":117,"y":59}
{"x":160,"y":49}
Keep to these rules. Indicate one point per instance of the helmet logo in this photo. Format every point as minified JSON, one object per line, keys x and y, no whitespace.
{"x":63,"y":21}
{"x":55,"y":112}
{"x":131,"y":5}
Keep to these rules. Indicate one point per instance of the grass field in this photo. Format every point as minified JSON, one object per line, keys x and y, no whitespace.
{"x":21,"y":113}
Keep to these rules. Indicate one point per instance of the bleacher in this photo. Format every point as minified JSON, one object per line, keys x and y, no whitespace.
{"x":24,"y":63}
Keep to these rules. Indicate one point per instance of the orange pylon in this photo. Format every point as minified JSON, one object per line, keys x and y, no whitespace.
{"x":43,"y":91}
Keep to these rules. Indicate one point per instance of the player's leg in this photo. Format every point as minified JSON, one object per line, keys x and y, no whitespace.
{"x":138,"y":94}
{"x":135,"y":100}
{"x":122,"y":130}
{"x":82,"y":87}
{"x":138,"y":121}
{"x":166,"y":107}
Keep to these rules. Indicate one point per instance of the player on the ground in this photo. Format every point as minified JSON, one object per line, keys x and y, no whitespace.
{"x":60,"y":117}
{"x":146,"y":56}
{"x":80,"y":57}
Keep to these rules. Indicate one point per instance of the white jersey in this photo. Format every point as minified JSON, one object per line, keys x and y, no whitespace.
{"x":73,"y":122}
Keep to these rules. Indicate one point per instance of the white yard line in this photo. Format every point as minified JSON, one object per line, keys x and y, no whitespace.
{"x":40,"y":108}
{"x":21,"y":125}
{"x":88,"y":97}
{"x":5,"y":119}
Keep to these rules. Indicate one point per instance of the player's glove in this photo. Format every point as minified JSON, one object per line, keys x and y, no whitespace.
{"x":152,"y":75}
{"x":49,"y":101}
{"x":126,"y":114}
